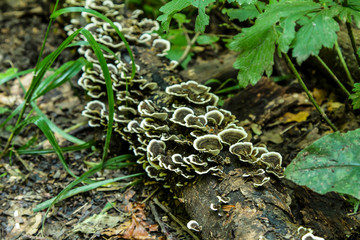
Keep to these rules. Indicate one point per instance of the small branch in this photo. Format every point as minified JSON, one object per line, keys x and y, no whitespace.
{"x":342,"y":60}
{"x":151,"y":194}
{"x":163,"y":227}
{"x":322,"y":113}
{"x":333,"y":75}
{"x":156,"y":201}
{"x":187,"y":49}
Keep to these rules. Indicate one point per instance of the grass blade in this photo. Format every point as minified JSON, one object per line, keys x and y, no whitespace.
{"x":60,"y":76}
{"x":55,"y":128}
{"x":15,"y":75}
{"x":49,"y":151}
{"x":95,"y":46}
{"x":103,"y":47}
{"x":13,"y":114}
{"x":45,"y":65}
{"x":78,"y":190}
{"x":104,"y":18}
{"x":42,"y":124}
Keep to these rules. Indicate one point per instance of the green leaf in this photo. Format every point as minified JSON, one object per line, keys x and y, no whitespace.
{"x":202,"y":20}
{"x":257,"y":43}
{"x":350,"y":13}
{"x":206,"y":39}
{"x":242,"y":14}
{"x":243,"y":1}
{"x":5,"y":110}
{"x":60,"y":76}
{"x":175,"y":6}
{"x":317,"y":33}
{"x":254,"y":60}
{"x":178,"y":45}
{"x":355,"y":97}
{"x":288,"y":34}
{"x":330,"y":164}
{"x":170,"y":9}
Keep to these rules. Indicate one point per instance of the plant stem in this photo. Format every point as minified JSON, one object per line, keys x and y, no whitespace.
{"x":333,"y":75}
{"x":190,"y":42}
{"x":352,"y":39}
{"x":342,"y":60}
{"x":322,"y":113}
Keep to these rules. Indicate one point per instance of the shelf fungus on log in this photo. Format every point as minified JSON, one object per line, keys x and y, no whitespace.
{"x":178,"y":131}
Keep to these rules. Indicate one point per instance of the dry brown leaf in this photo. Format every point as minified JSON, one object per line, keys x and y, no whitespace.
{"x":295,"y":117}
{"x":34,"y":224}
{"x":320,"y":95}
{"x":136,"y":231}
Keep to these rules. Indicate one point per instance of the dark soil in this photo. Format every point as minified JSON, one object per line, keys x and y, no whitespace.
{"x":263,"y":111}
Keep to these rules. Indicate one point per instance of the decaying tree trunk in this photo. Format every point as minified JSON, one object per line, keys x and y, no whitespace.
{"x":277,"y":210}
{"x":274,"y":211}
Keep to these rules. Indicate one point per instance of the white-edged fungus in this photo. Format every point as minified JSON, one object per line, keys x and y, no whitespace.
{"x":180,"y":114}
{"x":156,"y":147}
{"x":208,"y":143}
{"x":244,"y":150}
{"x":232,"y":136}
{"x":310,"y":236}
{"x":193,"y":121}
{"x":215,"y":115}
{"x":258,"y":172}
{"x":271,"y":159}
{"x":162,"y":45}
{"x":194,"y":225}
{"x":215,"y":207}
{"x":223,"y":199}
{"x":261,"y":182}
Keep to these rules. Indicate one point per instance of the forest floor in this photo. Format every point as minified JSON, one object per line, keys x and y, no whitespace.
{"x":278,"y":115}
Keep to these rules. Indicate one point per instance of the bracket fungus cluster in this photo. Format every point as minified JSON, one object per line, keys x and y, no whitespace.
{"x":175,"y":127}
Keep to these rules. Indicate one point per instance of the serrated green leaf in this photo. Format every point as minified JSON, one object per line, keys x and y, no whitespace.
{"x":242,"y":14}
{"x":202,"y":20}
{"x":253,"y":61}
{"x":257,"y":43}
{"x":206,"y":39}
{"x":170,"y":9}
{"x":288,"y":34}
{"x":330,"y":164}
{"x":317,"y":33}
{"x":243,"y":1}
{"x":350,"y":13}
{"x":355,"y":97}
